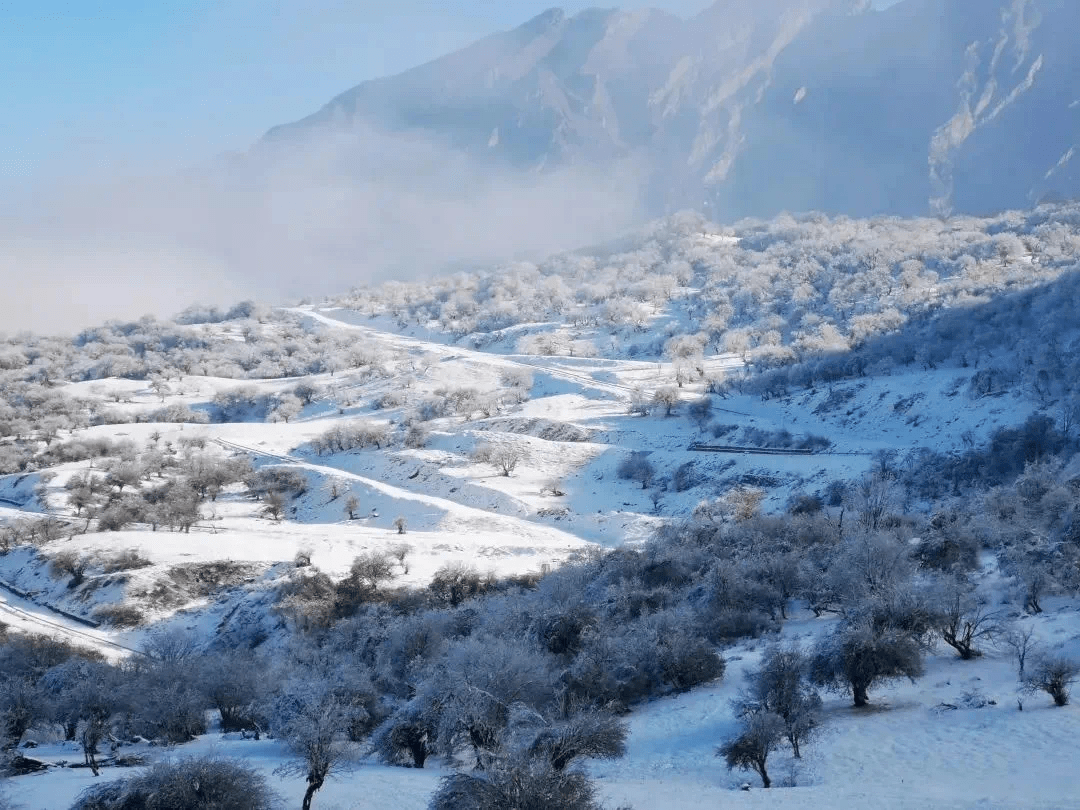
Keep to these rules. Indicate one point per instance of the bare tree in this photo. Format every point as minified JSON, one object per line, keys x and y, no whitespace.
{"x":274,"y":503}
{"x":352,"y":503}
{"x":505,"y":459}
{"x":306,"y":392}
{"x":963,"y":621}
{"x":400,"y":552}
{"x":637,"y":467}
{"x":1035,"y":582}
{"x":372,"y":569}
{"x":874,"y":498}
{"x":92,"y":700}
{"x":1021,"y":640}
{"x":553,"y":486}
{"x":666,"y":397}
{"x":700,"y":411}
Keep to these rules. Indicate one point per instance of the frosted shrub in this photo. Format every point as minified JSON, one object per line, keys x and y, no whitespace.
{"x":203,"y":783}
{"x":523,"y":783}
{"x":1053,"y":675}
{"x":352,"y":436}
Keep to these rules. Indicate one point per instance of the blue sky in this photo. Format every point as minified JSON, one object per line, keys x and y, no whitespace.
{"x":89,"y":85}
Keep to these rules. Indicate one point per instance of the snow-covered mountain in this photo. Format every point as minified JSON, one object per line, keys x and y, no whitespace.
{"x":828,"y":105}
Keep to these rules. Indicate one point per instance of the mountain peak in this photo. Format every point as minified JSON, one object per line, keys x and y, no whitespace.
{"x":729,"y":109}
{"x":546,"y":20}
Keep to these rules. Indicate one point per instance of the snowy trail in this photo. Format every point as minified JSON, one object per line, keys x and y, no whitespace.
{"x":537,"y":363}
{"x":406,"y":343}
{"x":24,"y":615}
{"x":457,"y":512}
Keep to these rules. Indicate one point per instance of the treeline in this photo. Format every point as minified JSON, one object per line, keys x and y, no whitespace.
{"x":1025,"y":342}
{"x":775,"y":292}
{"x":258,"y":343}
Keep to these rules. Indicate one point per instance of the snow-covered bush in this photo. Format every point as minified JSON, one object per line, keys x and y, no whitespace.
{"x":1053,"y":675}
{"x":521,"y":782}
{"x":203,"y":783}
{"x":352,"y":436}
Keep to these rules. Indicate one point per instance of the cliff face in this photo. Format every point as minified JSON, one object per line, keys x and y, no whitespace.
{"x":929,"y":106}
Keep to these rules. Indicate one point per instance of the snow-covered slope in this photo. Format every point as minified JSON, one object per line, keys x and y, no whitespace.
{"x":404,"y":423}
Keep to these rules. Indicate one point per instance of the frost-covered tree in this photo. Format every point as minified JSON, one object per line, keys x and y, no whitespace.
{"x":235,"y":684}
{"x":666,"y":397}
{"x":760,"y":735}
{"x":313,"y":720}
{"x":91,"y":700}
{"x":779,"y":686}
{"x":587,"y":734}
{"x":505,"y":458}
{"x":637,"y":467}
{"x":856,"y":657}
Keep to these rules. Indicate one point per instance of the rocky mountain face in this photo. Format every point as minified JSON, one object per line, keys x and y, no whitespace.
{"x":749,"y":109}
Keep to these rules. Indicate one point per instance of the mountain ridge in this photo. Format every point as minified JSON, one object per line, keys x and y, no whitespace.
{"x":789,"y":105}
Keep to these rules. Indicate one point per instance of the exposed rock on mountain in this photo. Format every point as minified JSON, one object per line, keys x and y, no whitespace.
{"x":928,"y":106}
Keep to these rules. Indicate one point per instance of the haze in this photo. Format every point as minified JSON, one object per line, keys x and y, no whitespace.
{"x":113,"y":199}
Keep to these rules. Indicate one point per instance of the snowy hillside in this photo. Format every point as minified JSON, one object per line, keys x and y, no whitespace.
{"x":565,"y":521}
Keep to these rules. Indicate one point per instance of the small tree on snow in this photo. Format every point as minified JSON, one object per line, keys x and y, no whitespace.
{"x":589,"y":734}
{"x":505,"y":459}
{"x":553,"y":486}
{"x":287,"y":407}
{"x":1022,"y":641}
{"x":963,"y":622}
{"x":779,"y":686}
{"x":637,"y":467}
{"x":352,"y":503}
{"x":372,"y":569}
{"x":274,"y":503}
{"x":400,"y":552}
{"x":667,"y":397}
{"x":1053,"y":676}
{"x":761,"y":734}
